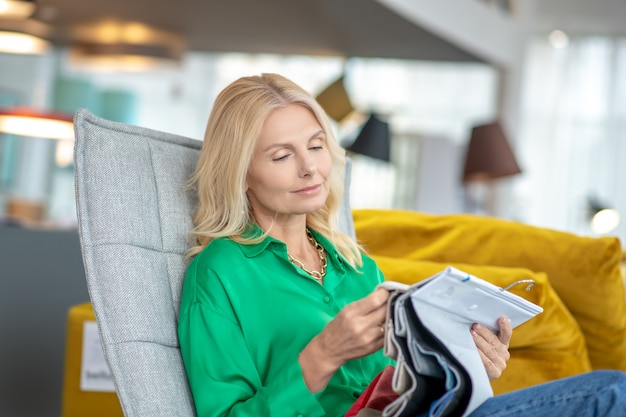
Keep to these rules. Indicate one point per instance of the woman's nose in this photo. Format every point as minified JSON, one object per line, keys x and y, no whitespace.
{"x":307,"y":166}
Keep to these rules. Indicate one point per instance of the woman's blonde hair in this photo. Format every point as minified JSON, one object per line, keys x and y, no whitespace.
{"x":232,"y":131}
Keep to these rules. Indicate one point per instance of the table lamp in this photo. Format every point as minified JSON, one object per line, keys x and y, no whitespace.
{"x":489,"y":156}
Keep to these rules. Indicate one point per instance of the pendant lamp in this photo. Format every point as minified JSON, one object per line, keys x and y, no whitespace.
{"x":25,"y":121}
{"x":23,"y":36}
{"x":373,"y":140}
{"x":335,"y":101}
{"x":16,"y":9}
{"x":112,"y":45}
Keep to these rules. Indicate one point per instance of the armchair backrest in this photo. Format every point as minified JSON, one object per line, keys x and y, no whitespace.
{"x":134,"y":217}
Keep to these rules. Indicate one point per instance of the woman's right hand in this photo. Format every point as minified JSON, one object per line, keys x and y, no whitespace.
{"x":354,"y":333}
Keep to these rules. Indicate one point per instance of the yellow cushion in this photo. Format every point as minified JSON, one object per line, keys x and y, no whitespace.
{"x":548,"y":347}
{"x":584,"y":271}
{"x":78,"y":403}
{"x":623,"y":267}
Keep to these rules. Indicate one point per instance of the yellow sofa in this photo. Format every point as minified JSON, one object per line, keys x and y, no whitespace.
{"x":579,"y":283}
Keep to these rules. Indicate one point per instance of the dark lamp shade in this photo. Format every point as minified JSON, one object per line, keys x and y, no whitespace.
{"x":594,"y":206}
{"x":335,"y":101}
{"x":489,"y":155}
{"x":373,"y":140}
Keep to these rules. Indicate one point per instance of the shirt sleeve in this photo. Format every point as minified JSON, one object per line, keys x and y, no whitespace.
{"x":223,"y":377}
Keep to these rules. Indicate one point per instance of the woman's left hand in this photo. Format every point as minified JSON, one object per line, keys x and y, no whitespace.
{"x":493,"y":348}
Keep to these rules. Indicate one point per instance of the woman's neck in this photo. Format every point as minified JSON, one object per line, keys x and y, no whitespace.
{"x":290,"y":230}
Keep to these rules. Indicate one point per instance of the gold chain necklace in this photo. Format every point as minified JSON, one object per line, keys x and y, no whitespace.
{"x":317,"y":275}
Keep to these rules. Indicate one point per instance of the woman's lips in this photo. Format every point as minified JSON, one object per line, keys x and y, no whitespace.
{"x":309,"y":190}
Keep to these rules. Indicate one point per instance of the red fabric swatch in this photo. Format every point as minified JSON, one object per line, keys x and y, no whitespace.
{"x":377,"y":394}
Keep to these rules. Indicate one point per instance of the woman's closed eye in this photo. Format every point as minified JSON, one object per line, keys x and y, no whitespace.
{"x":316,"y":144}
{"x":281,"y":157}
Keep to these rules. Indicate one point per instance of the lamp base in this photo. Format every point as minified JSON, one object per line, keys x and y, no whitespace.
{"x":476,"y":198}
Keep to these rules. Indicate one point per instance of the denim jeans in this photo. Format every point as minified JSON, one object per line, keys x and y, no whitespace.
{"x":594,"y":394}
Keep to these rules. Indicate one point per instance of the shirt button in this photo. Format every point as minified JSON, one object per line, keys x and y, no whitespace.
{"x":356,"y":394}
{"x":326,"y":299}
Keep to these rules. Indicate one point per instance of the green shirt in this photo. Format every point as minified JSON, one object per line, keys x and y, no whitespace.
{"x":247,"y":312}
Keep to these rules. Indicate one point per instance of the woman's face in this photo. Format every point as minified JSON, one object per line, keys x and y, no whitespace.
{"x":291,"y":165}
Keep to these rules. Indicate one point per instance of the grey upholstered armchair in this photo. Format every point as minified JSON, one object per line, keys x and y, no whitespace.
{"x":134,"y":216}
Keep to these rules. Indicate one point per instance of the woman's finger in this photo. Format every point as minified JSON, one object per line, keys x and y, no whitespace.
{"x":505,"y":331}
{"x":493,"y":352}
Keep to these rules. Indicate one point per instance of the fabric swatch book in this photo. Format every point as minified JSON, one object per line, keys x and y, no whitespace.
{"x":438,"y":368}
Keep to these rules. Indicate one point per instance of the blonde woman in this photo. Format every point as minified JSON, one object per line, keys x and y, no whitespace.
{"x":279,"y":316}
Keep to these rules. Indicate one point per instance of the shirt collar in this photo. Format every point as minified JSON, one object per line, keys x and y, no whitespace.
{"x":252,"y":250}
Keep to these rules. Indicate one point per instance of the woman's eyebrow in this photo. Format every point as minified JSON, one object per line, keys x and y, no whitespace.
{"x":317,"y":134}
{"x":279,"y":145}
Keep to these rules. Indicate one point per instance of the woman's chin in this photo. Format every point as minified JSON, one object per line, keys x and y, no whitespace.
{"x":310,"y":208}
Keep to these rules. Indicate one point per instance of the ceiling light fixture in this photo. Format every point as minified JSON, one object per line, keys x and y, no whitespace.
{"x":558,"y":39}
{"x":127,"y":46}
{"x":18,"y":9}
{"x":25,"y":121}
{"x":23,"y":36}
